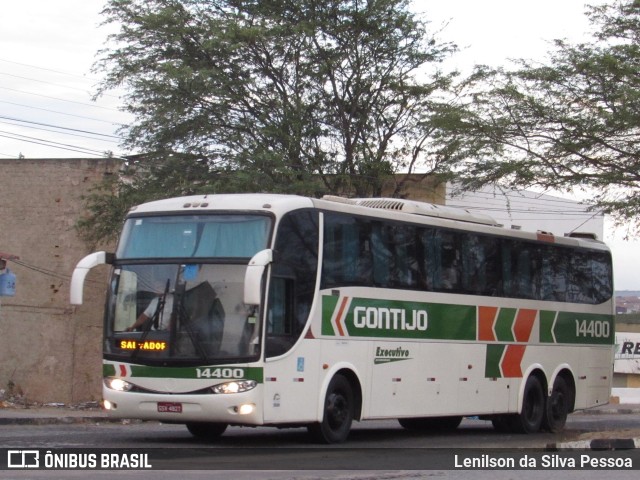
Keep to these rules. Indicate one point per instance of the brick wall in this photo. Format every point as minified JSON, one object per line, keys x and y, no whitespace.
{"x":49,"y":350}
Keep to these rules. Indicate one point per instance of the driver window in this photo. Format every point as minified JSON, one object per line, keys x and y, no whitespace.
{"x":280,"y":317}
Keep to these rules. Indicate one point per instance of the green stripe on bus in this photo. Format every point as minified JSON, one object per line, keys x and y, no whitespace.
{"x":494,"y":355}
{"x":546,"y":326}
{"x":504,"y":324}
{"x":215,"y":372}
{"x":576,"y":328}
{"x":375,"y":318}
{"x":328,"y":307}
{"x":584,"y":328}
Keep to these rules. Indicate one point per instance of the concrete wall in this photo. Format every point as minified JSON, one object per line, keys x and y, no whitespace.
{"x":49,"y":350}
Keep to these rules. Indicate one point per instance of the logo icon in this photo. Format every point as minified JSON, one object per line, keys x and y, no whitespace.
{"x":23,"y":459}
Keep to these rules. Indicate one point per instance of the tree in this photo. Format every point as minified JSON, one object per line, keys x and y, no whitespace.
{"x":574,"y":123}
{"x":296,"y":96}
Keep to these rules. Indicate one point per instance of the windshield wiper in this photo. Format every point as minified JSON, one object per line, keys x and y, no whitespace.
{"x":180,"y":318}
{"x":154,"y":321}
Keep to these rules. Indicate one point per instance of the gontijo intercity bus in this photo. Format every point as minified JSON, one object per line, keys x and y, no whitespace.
{"x":258,"y":309}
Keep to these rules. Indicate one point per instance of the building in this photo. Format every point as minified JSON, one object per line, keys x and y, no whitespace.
{"x":530,"y":211}
{"x":49,"y":350}
{"x":626,"y":368}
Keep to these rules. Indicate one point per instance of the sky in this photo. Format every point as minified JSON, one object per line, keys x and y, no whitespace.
{"x":48,"y":48}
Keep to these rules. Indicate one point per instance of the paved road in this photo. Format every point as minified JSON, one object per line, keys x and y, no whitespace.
{"x":100,"y":433}
{"x":383,"y":448}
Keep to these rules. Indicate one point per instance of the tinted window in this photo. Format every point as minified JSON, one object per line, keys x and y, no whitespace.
{"x":379,"y":253}
{"x":293,"y":280}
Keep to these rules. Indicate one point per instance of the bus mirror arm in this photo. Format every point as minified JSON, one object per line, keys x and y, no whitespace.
{"x":81,"y":271}
{"x":254,"y":274}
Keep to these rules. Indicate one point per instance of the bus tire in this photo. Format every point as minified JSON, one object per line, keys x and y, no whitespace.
{"x":440,"y":424}
{"x":533,"y":408}
{"x":206,"y":430}
{"x":338,"y":413}
{"x":558,"y":406}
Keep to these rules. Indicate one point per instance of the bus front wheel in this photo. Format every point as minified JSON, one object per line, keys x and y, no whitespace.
{"x":338,"y":413}
{"x":206,"y":430}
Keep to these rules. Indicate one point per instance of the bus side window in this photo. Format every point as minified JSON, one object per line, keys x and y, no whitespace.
{"x":480,"y":267}
{"x":347,"y":252}
{"x":555,"y":273}
{"x":589,"y":277}
{"x":581,"y":286}
{"x":601,"y":276}
{"x":407,"y":257}
{"x":382,"y":255}
{"x":280,"y":317}
{"x":519,"y":270}
{"x":349,"y":247}
{"x":524,"y":285}
{"x":430,"y":259}
{"x":450,"y":265}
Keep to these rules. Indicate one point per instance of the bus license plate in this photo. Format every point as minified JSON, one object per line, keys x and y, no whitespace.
{"x":169,"y":407}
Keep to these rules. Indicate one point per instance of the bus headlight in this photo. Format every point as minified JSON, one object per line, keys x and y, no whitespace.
{"x":117,"y":384}
{"x":235,"y":387}
{"x":246,"y":409}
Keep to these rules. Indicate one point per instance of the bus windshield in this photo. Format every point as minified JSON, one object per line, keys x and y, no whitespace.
{"x":180,"y":313}
{"x":176,"y":292}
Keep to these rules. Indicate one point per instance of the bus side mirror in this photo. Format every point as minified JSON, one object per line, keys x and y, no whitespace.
{"x":81,"y":271}
{"x":254,"y":274}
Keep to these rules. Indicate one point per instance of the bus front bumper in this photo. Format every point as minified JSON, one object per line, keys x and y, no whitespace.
{"x":235,"y":409}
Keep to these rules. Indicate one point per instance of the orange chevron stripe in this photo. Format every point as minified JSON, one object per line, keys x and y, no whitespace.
{"x":345,"y":300}
{"x":511,"y":361}
{"x":524,"y":324}
{"x":486,"y":319}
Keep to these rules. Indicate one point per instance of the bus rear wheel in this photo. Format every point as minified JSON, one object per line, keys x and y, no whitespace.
{"x":338,"y":412}
{"x":206,"y":430}
{"x":533,"y":408}
{"x":558,"y":406}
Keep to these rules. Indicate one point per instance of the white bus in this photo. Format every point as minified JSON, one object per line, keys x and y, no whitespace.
{"x":258,"y":309}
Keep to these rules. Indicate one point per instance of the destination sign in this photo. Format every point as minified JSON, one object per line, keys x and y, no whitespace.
{"x":147,"y":345}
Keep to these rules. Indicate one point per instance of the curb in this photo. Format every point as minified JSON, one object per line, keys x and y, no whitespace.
{"x":631,"y":410}
{"x":597,"y":444}
{"x":56,"y":420}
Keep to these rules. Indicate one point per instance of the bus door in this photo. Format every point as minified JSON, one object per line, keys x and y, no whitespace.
{"x":290,"y":371}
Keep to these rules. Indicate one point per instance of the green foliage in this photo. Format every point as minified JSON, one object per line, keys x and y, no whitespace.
{"x":572,"y":123}
{"x":298,"y":96}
